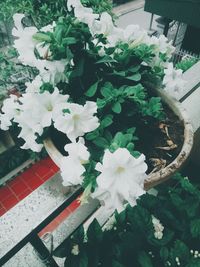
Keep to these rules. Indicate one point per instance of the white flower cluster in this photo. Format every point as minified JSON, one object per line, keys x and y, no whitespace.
{"x":132,"y":34}
{"x":34,"y":111}
{"x":26,"y":46}
{"x":158,"y":227}
{"x":173,"y":81}
{"x":121,"y":179}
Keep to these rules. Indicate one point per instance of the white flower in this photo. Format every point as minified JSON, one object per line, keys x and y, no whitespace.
{"x":71,"y":166}
{"x":71,"y":171}
{"x":173,"y":81}
{"x":78,"y":121}
{"x":78,"y":150}
{"x":24,"y":42}
{"x":122,"y":178}
{"x":10,"y":109}
{"x":134,"y":35}
{"x":158,"y":228}
{"x":162,"y":45}
{"x":34,"y":86}
{"x":103,"y":26}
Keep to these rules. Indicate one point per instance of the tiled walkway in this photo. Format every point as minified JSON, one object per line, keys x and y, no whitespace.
{"x":21,"y":186}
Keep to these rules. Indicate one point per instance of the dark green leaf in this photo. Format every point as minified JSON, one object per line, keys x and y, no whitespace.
{"x":92,"y":90}
{"x":116,"y":107}
{"x":195,"y":228}
{"x":101,"y":142}
{"x":144,"y":260}
{"x":136,"y":77}
{"x":108,"y":120}
{"x":94,"y":232}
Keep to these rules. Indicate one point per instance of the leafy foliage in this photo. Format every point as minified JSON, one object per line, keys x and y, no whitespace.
{"x":131,"y":239}
{"x":187,"y":63}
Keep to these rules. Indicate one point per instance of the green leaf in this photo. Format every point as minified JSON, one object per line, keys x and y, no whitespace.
{"x":69,"y":41}
{"x":195,"y":228}
{"x":93,"y":135}
{"x":92,"y":90}
{"x":144,"y":260}
{"x":101,"y":142}
{"x":101,"y":103}
{"x":108,"y":120}
{"x":136,"y":77}
{"x":117,"y":108}
{"x":106,"y":90}
{"x":164,"y":253}
{"x":134,"y":68}
{"x":42,"y":37}
{"x":94,"y":232}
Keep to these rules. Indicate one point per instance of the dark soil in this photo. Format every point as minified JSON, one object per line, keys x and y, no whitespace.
{"x":151,"y":137}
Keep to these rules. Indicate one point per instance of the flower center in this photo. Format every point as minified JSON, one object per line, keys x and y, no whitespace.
{"x":76,"y":117}
{"x":49,"y":107}
{"x":120,"y":170}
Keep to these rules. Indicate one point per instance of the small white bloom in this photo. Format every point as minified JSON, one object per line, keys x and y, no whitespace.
{"x":10,"y":109}
{"x":173,"y":81}
{"x":78,"y":121}
{"x":121,"y":178}
{"x":75,"y":250}
{"x":158,"y":227}
{"x":72,"y":167}
{"x":71,"y":171}
{"x":78,"y":150}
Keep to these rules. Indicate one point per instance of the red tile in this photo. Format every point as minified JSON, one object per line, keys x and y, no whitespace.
{"x":19,"y":187}
{"x":28,"y":176}
{"x":2,"y":211}
{"x":24,"y":194}
{"x":5,"y":192}
{"x":34,"y":183}
{"x":48,"y":175}
{"x":9,"y":202}
{"x":14,"y":181}
{"x":48,"y":162}
{"x":42,"y":170}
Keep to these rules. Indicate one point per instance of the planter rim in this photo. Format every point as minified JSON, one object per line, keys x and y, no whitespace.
{"x":165,"y":173}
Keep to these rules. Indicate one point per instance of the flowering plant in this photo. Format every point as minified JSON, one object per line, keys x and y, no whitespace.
{"x":162,"y":230}
{"x":92,"y":86}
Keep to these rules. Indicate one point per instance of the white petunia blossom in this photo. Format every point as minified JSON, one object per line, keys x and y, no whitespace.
{"x":24,"y":42}
{"x":134,"y":35}
{"x":162,"y":45}
{"x":103,"y":26}
{"x":25,"y":45}
{"x":71,"y":166}
{"x":34,"y":86}
{"x":10,"y":109}
{"x":78,"y":121}
{"x":173,"y":81}
{"x":78,"y":150}
{"x":121,"y":179}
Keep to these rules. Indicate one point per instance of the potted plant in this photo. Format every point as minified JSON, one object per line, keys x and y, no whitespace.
{"x":162,"y":230}
{"x":94,"y":104}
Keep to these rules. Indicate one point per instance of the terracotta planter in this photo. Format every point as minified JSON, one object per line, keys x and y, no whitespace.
{"x":165,"y":173}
